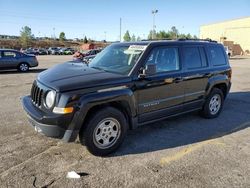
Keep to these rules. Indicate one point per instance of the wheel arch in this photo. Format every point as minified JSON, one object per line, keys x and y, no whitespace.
{"x":223,"y":85}
{"x":122,"y":100}
{"x":24,"y":62}
{"x":120,"y":105}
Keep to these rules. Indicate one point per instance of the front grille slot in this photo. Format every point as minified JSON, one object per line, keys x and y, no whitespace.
{"x":36,"y":95}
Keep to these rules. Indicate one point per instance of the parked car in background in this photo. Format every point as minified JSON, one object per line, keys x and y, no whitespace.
{"x":54,"y":51}
{"x":66,"y":51}
{"x":229,"y":52}
{"x":51,"y":49}
{"x":42,"y":51}
{"x":13,"y":59}
{"x":30,"y":51}
{"x":69,"y":51}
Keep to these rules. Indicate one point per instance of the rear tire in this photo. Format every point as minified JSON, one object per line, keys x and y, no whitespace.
{"x":104,"y":132}
{"x":23,"y":67}
{"x":214,"y":104}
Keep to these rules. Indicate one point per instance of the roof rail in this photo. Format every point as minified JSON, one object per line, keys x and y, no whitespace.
{"x":206,"y":40}
{"x":181,"y":39}
{"x":156,"y":39}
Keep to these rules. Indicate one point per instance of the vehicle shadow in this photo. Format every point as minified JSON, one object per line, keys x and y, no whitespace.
{"x":18,"y":72}
{"x":189,"y":129}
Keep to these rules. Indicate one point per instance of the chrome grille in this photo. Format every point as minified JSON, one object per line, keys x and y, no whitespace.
{"x":36,"y":94}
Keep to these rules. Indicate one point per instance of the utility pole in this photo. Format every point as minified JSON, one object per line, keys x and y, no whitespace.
{"x":54,"y":33}
{"x":120,"y":29}
{"x":153,"y":31}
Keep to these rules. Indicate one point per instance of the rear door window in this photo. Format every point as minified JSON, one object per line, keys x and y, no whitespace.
{"x":193,"y":59}
{"x":9,"y":54}
{"x":203,"y":57}
{"x":217,"y":56}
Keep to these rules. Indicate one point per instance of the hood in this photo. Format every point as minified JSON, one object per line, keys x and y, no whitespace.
{"x":70,"y":76}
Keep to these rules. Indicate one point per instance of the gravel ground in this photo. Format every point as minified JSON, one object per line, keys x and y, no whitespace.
{"x":187,"y":151}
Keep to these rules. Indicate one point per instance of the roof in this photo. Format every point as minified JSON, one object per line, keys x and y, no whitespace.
{"x":167,"y":41}
{"x":3,"y":49}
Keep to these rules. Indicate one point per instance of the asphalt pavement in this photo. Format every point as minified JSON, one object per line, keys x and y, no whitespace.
{"x":186,"y":151}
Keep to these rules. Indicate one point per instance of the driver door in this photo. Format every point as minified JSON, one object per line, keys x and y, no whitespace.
{"x":161,"y":94}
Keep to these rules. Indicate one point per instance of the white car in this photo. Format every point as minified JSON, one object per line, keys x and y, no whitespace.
{"x":228,"y":51}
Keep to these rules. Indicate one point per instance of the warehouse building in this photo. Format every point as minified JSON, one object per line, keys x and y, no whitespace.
{"x":233,"y":33}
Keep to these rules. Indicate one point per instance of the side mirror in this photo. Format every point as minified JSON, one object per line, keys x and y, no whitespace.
{"x":149,"y":70}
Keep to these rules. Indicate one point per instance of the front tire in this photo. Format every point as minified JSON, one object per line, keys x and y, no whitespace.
{"x":104,"y":131}
{"x":23,"y":67}
{"x":213,"y":105}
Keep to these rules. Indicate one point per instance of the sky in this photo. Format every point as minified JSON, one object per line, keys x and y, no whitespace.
{"x":99,"y":19}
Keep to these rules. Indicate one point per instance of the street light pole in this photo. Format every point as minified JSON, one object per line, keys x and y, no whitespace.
{"x":153,"y":31}
{"x":54,"y":33}
{"x":120,"y":29}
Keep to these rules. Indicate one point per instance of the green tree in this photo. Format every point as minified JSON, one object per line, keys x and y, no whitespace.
{"x":173,"y":32}
{"x":189,"y":36}
{"x":62,"y":36}
{"x":162,"y":35}
{"x":26,"y":36}
{"x":127,"y":37}
{"x":90,"y":40}
{"x":85,"y":40}
{"x":182,"y":36}
{"x":151,"y":34}
{"x":138,"y":38}
{"x":133,"y":38}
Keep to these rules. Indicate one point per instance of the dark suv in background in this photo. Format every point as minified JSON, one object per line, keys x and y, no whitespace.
{"x":12,"y":59}
{"x":128,"y":85}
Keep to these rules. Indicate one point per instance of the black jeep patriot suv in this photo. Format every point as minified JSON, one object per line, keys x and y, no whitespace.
{"x":125,"y":86}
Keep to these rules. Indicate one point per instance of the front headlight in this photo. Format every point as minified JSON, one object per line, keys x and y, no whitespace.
{"x":50,"y":98}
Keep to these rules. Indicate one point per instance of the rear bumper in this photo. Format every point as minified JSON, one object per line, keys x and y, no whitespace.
{"x":49,"y":124}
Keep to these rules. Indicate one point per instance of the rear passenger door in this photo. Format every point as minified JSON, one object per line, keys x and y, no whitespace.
{"x":195,"y":76}
{"x":9,"y":59}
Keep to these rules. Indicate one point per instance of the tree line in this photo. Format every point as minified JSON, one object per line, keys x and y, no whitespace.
{"x":26,"y":37}
{"x":173,"y":33}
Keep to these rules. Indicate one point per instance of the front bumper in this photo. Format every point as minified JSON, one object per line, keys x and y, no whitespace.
{"x":64,"y":127}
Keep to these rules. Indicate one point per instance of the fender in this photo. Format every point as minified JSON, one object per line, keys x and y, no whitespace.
{"x":217,"y":79}
{"x":86,"y":102}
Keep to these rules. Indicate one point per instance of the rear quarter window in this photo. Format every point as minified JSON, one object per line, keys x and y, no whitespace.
{"x":217,"y":57}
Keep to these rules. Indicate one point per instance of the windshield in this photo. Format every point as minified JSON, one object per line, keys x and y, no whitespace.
{"x":118,"y":58}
